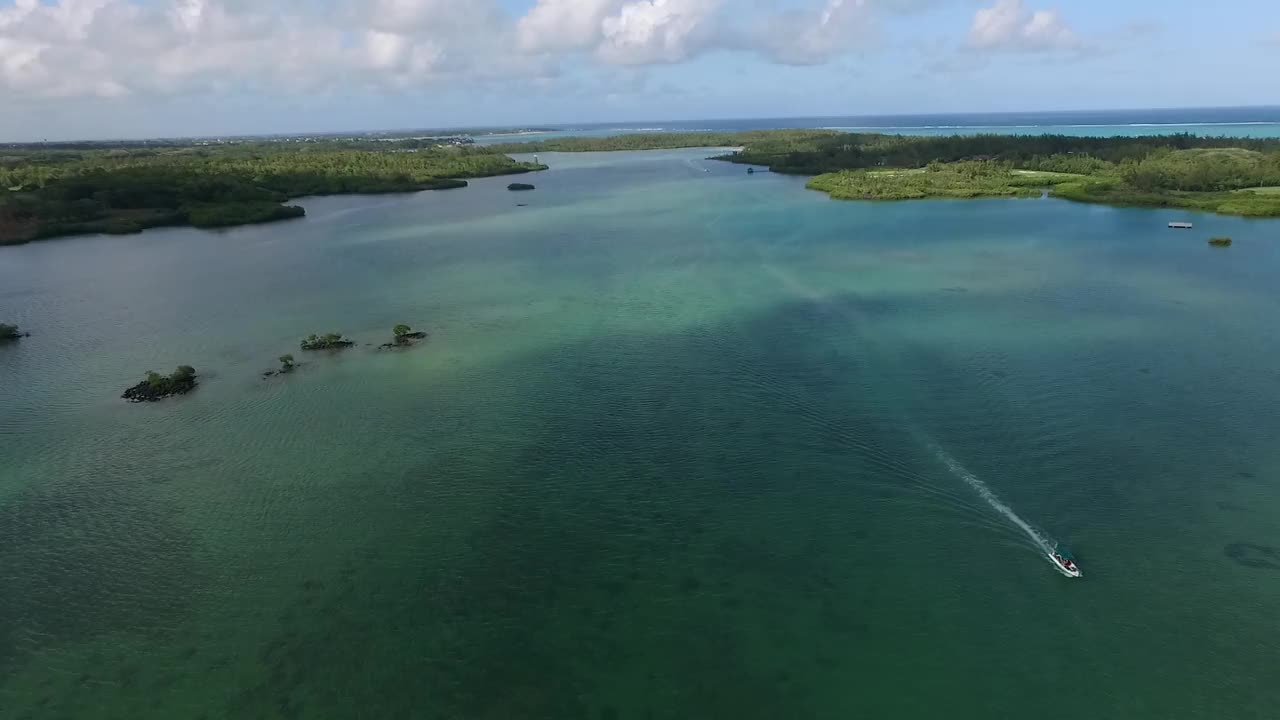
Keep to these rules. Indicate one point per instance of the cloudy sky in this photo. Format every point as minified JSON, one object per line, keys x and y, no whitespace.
{"x":132,"y":68}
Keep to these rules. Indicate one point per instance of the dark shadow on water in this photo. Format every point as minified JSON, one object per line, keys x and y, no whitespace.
{"x":80,"y":560}
{"x":674,"y":542}
{"x":1251,"y":555}
{"x":616,"y":546}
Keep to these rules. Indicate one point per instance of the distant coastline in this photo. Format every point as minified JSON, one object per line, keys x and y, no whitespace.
{"x":1228,"y":176}
{"x":1254,"y":121}
{"x":51,"y":191}
{"x":58,"y":189}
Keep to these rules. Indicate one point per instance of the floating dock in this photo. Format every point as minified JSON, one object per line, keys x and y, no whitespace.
{"x":1181,"y":226}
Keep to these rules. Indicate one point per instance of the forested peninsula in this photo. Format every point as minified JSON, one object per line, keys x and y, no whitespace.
{"x":120,"y":187}
{"x":47,"y":191}
{"x":1232,"y":176}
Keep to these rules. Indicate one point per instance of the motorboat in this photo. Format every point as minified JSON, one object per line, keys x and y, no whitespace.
{"x":1066,"y":564}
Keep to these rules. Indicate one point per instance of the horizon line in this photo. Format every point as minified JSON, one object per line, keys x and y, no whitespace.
{"x":562,"y":127}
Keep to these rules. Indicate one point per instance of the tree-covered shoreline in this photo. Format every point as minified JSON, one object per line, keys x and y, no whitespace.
{"x":125,"y":188}
{"x":1232,"y":176}
{"x":52,"y":192}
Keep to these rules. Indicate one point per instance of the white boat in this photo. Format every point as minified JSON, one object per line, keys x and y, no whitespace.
{"x":1066,"y":565}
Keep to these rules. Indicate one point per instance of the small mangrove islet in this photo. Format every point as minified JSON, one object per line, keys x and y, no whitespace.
{"x":10,"y":332}
{"x":287,"y":365}
{"x":403,"y":336}
{"x":328,"y":341}
{"x":518,"y":187}
{"x":158,"y":387}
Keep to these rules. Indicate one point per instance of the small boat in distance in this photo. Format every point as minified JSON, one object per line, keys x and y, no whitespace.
{"x":1181,"y":225}
{"x":1066,"y":564}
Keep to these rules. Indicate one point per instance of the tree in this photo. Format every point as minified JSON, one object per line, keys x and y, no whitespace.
{"x":287,"y":362}
{"x":184,"y":374}
{"x":9,"y":332}
{"x":154,"y":378}
{"x":402,"y":330}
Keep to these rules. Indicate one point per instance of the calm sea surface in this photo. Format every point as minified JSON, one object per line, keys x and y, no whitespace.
{"x":683,"y":443}
{"x":1251,"y":122}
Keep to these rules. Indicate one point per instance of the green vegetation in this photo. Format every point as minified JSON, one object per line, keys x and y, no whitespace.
{"x":47,"y":191}
{"x":403,"y":336}
{"x":124,"y":189}
{"x":1220,"y":242}
{"x":971,"y":179}
{"x":158,"y":387}
{"x":240,"y":213}
{"x":1235,"y":176}
{"x":10,"y":332}
{"x":329,"y":341}
{"x":761,"y":140}
{"x":287,"y":365}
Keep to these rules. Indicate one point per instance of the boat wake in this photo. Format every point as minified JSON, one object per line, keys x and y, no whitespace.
{"x":1045,"y":544}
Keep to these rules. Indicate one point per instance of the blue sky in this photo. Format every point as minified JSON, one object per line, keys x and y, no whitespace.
{"x":131,"y":68}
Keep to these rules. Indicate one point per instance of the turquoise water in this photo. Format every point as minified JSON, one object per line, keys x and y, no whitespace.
{"x":683,"y":443}
{"x":1247,"y":122}
{"x":1245,"y":130}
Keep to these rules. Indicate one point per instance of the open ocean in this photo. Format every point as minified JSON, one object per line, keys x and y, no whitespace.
{"x":1235,"y":122}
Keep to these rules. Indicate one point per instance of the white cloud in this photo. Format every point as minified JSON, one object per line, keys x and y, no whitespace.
{"x":641,"y":32}
{"x":115,"y":48}
{"x":560,"y":25}
{"x":622,"y":32}
{"x":1010,"y":25}
{"x":799,"y":37}
{"x":110,"y":48}
{"x":657,"y":31}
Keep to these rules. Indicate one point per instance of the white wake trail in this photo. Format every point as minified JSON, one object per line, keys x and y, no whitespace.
{"x":992,"y":499}
{"x":1045,"y":544}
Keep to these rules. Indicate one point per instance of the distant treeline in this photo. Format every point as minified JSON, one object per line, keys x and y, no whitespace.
{"x":1239,"y":176}
{"x":853,"y":151}
{"x":1227,"y":175}
{"x":766,"y":140}
{"x":44,"y":193}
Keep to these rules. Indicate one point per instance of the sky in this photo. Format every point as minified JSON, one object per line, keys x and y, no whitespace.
{"x":80,"y":69}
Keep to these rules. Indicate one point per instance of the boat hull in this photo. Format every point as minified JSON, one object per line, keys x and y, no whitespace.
{"x":1064,"y":569}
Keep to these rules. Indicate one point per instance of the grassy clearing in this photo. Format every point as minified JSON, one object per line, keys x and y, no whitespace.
{"x":951,"y":180}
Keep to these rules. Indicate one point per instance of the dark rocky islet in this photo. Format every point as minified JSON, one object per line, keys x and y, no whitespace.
{"x":157,"y":387}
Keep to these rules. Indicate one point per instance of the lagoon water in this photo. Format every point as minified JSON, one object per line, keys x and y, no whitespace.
{"x":683,"y":443}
